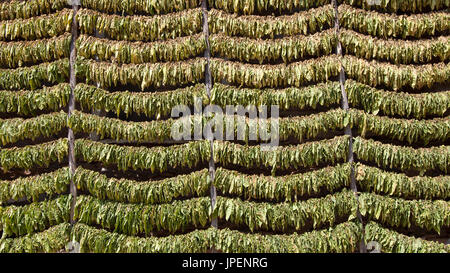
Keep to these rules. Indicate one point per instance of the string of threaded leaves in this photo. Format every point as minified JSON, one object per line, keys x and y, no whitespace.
{"x":279,"y":75}
{"x":153,"y":105}
{"x":341,"y":238}
{"x":35,"y":217}
{"x":282,"y":217}
{"x":195,"y":184}
{"x":140,"y":28}
{"x":403,"y":158}
{"x":395,"y":212}
{"x":40,"y":155}
{"x":17,"y":54}
{"x":299,"y":128}
{"x":410,"y":131}
{"x":294,"y":157}
{"x":41,"y":27}
{"x":16,"y":9}
{"x":395,"y":6}
{"x":139,"y":219}
{"x":372,"y":179}
{"x":124,"y":52}
{"x":18,"y":129}
{"x":141,"y":75}
{"x":30,"y":102}
{"x":132,"y":7}
{"x":48,"y":241}
{"x":254,"y":26}
{"x":396,"y":77}
{"x":397,"y":26}
{"x":282,"y":188}
{"x":394,"y":242}
{"x":157,"y":159}
{"x":401,"y":104}
{"x":288,"y":49}
{"x":263,"y":6}
{"x":36,"y":76}
{"x":313,"y":96}
{"x":94,"y":241}
{"x":33,"y":187}
{"x":395,"y":51}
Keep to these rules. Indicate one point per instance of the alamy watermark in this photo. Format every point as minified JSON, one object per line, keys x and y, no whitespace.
{"x":234,"y":122}
{"x":373,"y":2}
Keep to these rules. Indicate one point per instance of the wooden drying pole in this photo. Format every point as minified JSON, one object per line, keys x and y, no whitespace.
{"x":348,"y":129}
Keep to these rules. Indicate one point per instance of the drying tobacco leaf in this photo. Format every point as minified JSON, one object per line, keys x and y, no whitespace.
{"x":401,"y":104}
{"x":18,"y":129}
{"x":32,"y":187}
{"x":390,"y":25}
{"x":282,"y":188}
{"x":178,"y":49}
{"x":141,"y":28}
{"x":36,"y":217}
{"x":283,"y":217}
{"x":195,"y":184}
{"x":254,"y":26}
{"x":394,"y":242}
{"x":44,"y":26}
{"x":139,"y":219}
{"x":372,"y":179}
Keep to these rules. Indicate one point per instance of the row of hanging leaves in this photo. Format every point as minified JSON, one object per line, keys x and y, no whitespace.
{"x":29,"y":103}
{"x":309,"y":97}
{"x":298,"y":128}
{"x":311,"y":154}
{"x":410,"y":131}
{"x":395,"y":51}
{"x":138,"y":52}
{"x":403,"y":158}
{"x":131,"y":7}
{"x":49,"y":241}
{"x":16,"y":54}
{"x":157,"y":159}
{"x":141,"y":28}
{"x":45,"y":26}
{"x":282,"y":188}
{"x":142,"y":75}
{"x":195,"y":184}
{"x":102,"y":241}
{"x":36,"y":217}
{"x":40,"y":155}
{"x":394,"y":242}
{"x":344,"y":237}
{"x":11,"y":10}
{"x":396,"y":26}
{"x":36,"y":76}
{"x":396,"y":212}
{"x":151,"y":105}
{"x":263,"y":6}
{"x":401,"y":104}
{"x":279,"y":75}
{"x":46,"y":125}
{"x":407,"y":6}
{"x":287,"y":49}
{"x":282,"y":217}
{"x":396,"y":77}
{"x":33,"y":187}
{"x":372,"y":179}
{"x":254,"y":26}
{"x":139,"y":219}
